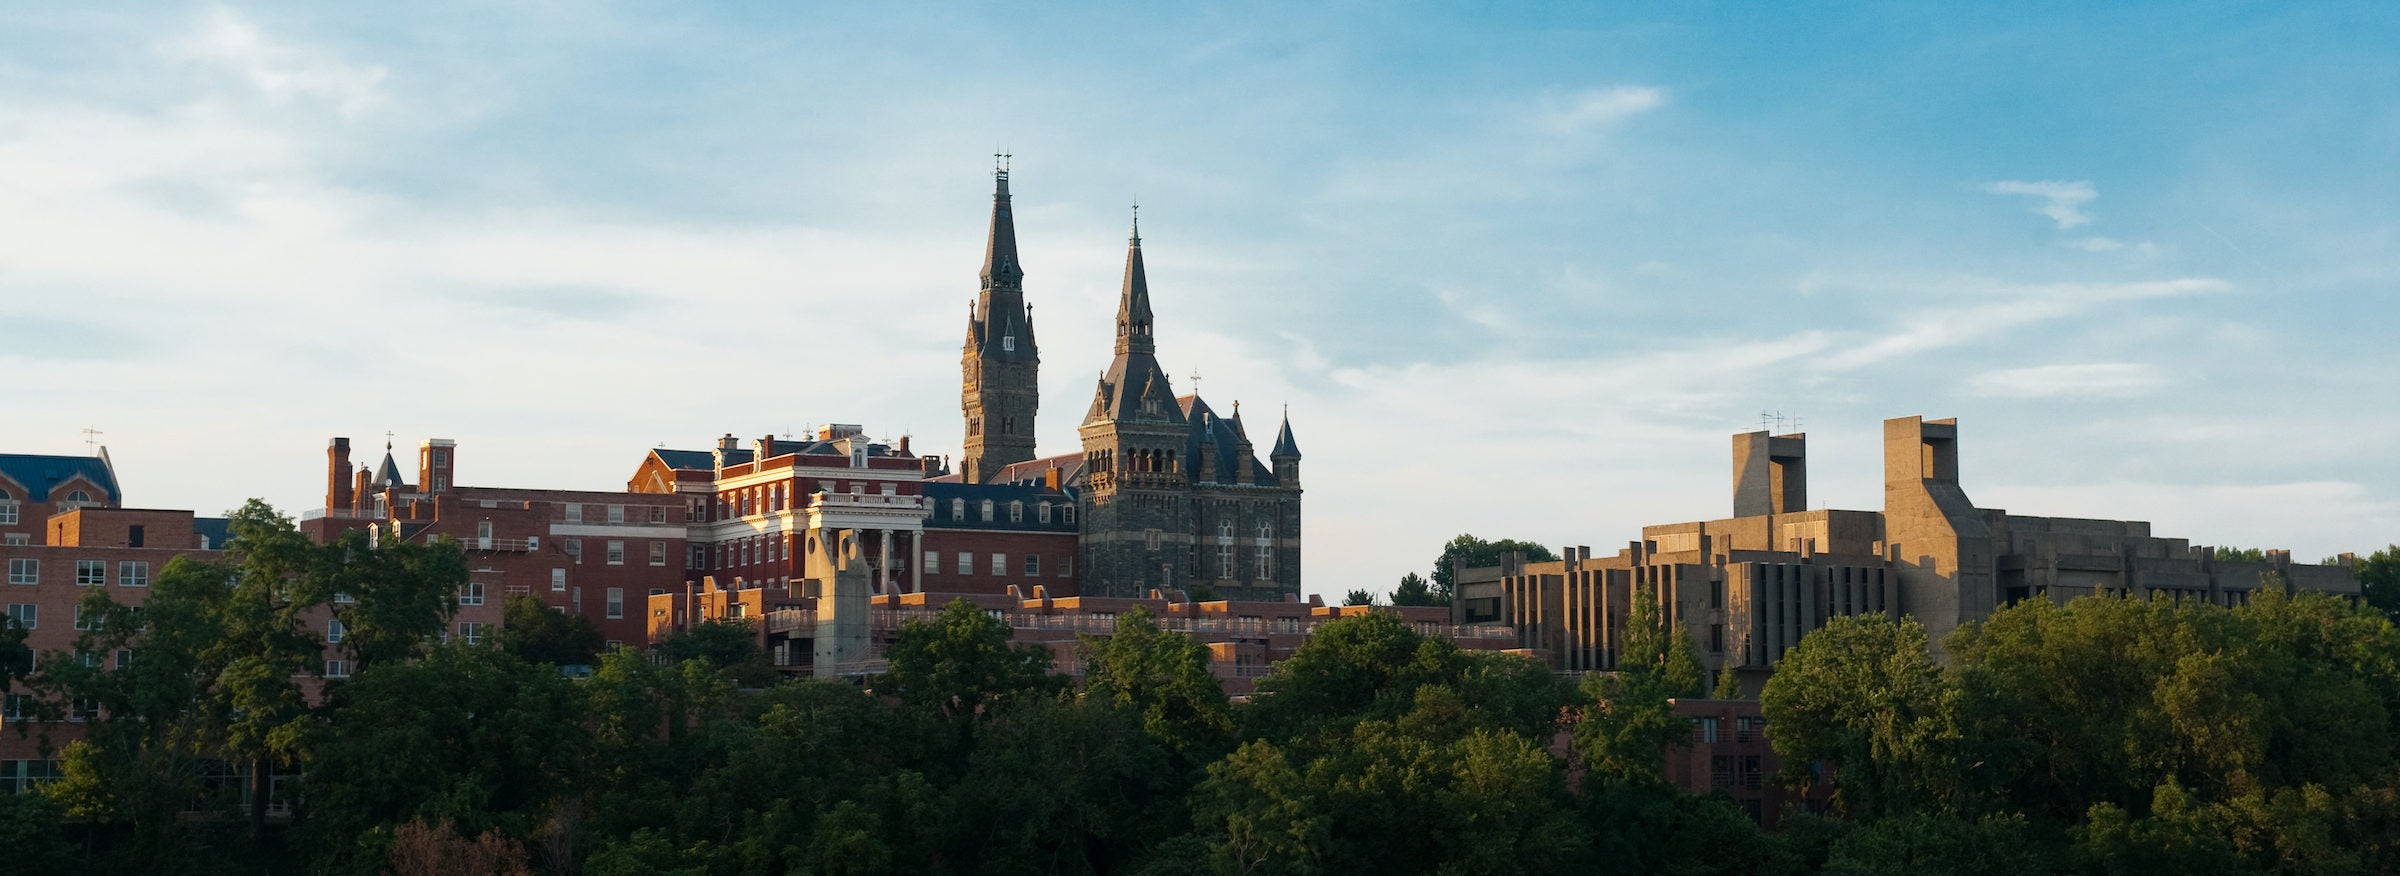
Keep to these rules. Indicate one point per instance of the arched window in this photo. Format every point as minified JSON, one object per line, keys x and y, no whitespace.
{"x":4,"y":495}
{"x":1225,"y":530}
{"x":1265,"y":530}
{"x":79,"y":497}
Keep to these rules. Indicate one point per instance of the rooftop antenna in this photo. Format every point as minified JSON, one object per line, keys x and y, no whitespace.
{"x":91,"y":439}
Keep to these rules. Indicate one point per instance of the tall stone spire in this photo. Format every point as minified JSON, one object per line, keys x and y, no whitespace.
{"x":1000,"y":391}
{"x":1133,"y":301}
{"x":1000,"y":268}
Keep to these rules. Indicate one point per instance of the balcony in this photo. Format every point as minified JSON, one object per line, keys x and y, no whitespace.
{"x":483,"y":544}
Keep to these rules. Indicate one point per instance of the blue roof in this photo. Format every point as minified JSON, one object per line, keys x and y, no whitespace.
{"x":940,"y":495}
{"x":42,"y":474}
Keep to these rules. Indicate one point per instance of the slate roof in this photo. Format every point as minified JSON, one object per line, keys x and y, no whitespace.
{"x":941,"y":494}
{"x":1284,"y":445}
{"x":41,"y":474}
{"x":706,"y":460}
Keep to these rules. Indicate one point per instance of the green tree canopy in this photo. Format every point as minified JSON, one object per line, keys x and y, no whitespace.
{"x":539,"y":633}
{"x":1413,"y":590}
{"x":1467,"y":550}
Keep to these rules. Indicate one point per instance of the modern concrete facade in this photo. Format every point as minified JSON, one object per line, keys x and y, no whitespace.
{"x":1748,"y":587}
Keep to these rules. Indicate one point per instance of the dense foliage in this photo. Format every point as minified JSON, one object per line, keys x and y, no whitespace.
{"x":2106,"y":736}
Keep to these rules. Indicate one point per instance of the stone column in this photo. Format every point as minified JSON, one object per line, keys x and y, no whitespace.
{"x":916,"y":562}
{"x":883,"y":568}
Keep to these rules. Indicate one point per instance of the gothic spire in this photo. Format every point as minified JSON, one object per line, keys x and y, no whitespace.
{"x":1133,"y":302}
{"x":1284,"y":445}
{"x":1000,"y":270}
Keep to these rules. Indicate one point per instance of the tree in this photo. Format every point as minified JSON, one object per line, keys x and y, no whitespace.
{"x":1629,"y":725}
{"x":2240,"y":555}
{"x":961,"y":667}
{"x":1164,"y":677}
{"x":1863,"y":693}
{"x":729,"y":643}
{"x":1467,"y":550}
{"x":1414,"y":591}
{"x":2379,"y":580}
{"x":539,"y":633}
{"x":1359,"y":597}
{"x":1352,"y":669}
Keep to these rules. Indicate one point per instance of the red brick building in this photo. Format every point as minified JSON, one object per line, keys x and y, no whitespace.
{"x":594,"y":553}
{"x":748,"y":509}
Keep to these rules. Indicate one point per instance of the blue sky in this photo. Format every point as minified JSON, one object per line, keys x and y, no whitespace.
{"x":1518,"y":270}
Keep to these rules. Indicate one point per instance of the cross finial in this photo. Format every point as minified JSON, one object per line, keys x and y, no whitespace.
{"x":1001,"y":161}
{"x":387,"y":440}
{"x":1195,"y":381}
{"x":1137,"y":220}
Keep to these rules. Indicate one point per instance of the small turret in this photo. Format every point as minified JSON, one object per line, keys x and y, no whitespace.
{"x":1286,"y":455}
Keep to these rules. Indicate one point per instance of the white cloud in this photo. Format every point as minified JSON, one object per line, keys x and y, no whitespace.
{"x":2115,"y":379}
{"x":1598,"y":108}
{"x":281,"y":72}
{"x":2061,"y":201}
{"x":2006,"y":307}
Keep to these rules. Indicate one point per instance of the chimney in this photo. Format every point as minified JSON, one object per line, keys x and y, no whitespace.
{"x":904,"y":446}
{"x":766,"y":447}
{"x":337,"y":475}
{"x":362,"y":485}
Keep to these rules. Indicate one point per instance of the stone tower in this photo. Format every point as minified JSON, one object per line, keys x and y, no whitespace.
{"x":1000,"y":364}
{"x":1135,"y":536}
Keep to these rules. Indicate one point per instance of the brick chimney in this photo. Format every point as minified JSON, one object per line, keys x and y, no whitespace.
{"x":337,"y":475}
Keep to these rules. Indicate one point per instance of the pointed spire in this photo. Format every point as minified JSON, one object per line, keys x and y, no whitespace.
{"x":1285,"y":447}
{"x":1133,"y":301}
{"x":1000,"y":270}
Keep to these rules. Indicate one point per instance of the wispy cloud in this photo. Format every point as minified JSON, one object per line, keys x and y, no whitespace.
{"x":281,"y":72}
{"x":2006,"y":307}
{"x":2061,"y":201}
{"x":1597,"y":108}
{"x":2105,"y":379}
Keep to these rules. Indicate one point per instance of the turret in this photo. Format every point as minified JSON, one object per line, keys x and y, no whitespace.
{"x":1286,"y":455}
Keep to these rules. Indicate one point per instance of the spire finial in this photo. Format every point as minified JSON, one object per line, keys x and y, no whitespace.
{"x":1137,"y":221}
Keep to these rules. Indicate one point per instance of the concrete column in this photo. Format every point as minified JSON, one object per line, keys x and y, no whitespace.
{"x":916,"y":562}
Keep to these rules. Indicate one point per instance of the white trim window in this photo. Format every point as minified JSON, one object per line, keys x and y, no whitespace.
{"x":966,"y":562}
{"x":658,"y":553}
{"x":616,"y":552}
{"x":24,"y":570}
{"x":91,"y":573}
{"x":335,"y":632}
{"x":25,"y":615}
{"x":933,"y":562}
{"x":472,"y":594}
{"x":133,"y":573}
{"x":558,"y":580}
{"x":337,"y":669}
{"x":999,"y":565}
{"x":616,"y":603}
{"x":472,"y":632}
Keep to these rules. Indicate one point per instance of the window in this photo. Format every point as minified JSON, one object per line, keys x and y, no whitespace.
{"x":966,"y":562}
{"x":616,"y":553}
{"x":24,"y":570}
{"x":1150,"y":539}
{"x":78,"y":497}
{"x":334,"y":631}
{"x":1720,"y":771}
{"x":1704,"y":729}
{"x":616,"y":513}
{"x":472,"y":594}
{"x":1016,"y":512}
{"x":574,"y":513}
{"x":1224,"y":560}
{"x":1008,"y":343}
{"x":1043,"y":512}
{"x":958,"y":509}
{"x":91,"y":573}
{"x":124,"y":658}
{"x":1069,"y":511}
{"x":558,"y":580}
{"x":472,"y":632}
{"x":574,"y":548}
{"x":987,"y":510}
{"x":15,"y":707}
{"x":341,"y":598}
{"x":616,"y":602}
{"x":1749,"y":771}
{"x":658,"y":513}
{"x":1033,"y":565}
{"x":658,"y":553}
{"x":1266,"y":564}
{"x":133,"y":573}
{"x":933,"y":562}
{"x":337,"y":669}
{"x":83,"y":623}
{"x":999,"y":564}
{"x":84,"y":709}
{"x":8,"y":510}
{"x":19,"y":539}
{"x":699,"y":558}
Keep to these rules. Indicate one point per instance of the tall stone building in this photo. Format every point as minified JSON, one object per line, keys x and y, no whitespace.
{"x":1174,"y":494}
{"x":1168,"y":494}
{"x":1000,"y":364}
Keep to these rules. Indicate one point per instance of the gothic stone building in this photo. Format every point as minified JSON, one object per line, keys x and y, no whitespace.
{"x":1169,"y":494}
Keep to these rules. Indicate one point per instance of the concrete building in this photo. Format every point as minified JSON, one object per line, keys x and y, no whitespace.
{"x":1748,"y":587}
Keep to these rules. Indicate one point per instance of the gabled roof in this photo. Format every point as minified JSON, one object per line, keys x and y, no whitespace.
{"x":41,"y":474}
